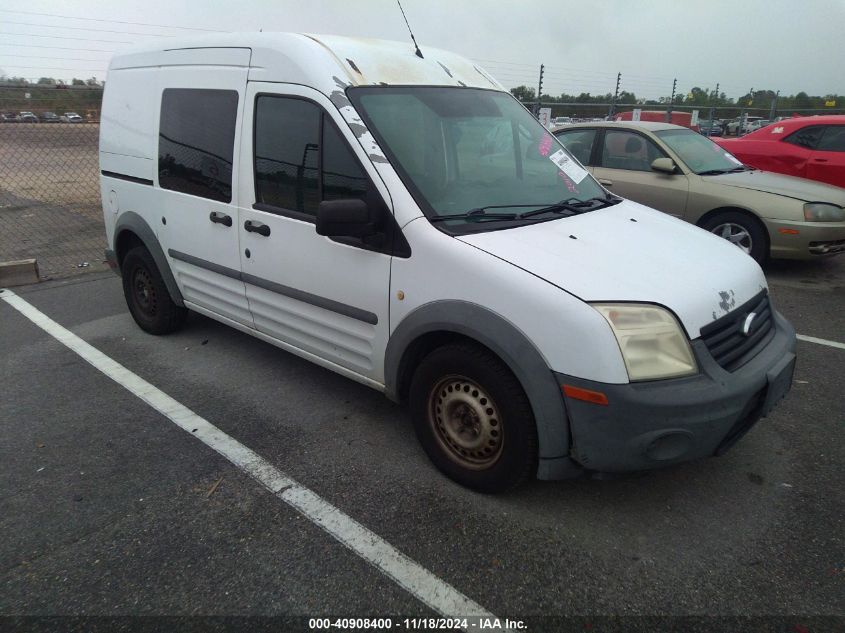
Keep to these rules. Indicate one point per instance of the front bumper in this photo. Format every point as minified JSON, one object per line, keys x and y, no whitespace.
{"x":812,"y":239}
{"x":651,"y":424}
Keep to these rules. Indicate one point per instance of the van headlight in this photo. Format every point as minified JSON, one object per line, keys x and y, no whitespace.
{"x":823,"y":212}
{"x":652,"y":342}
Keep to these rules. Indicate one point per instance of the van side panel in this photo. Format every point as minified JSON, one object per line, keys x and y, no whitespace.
{"x":127,"y":126}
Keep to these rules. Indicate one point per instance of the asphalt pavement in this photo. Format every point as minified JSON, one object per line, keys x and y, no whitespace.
{"x":108,"y":508}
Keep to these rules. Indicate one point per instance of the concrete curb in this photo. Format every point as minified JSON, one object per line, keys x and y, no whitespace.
{"x":19,"y":273}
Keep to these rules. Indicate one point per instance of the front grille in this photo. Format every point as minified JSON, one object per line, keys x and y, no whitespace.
{"x":728,"y":345}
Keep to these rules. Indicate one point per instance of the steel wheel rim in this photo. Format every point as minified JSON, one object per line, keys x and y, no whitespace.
{"x":466,"y":422}
{"x":736,"y":234}
{"x":144,"y":291}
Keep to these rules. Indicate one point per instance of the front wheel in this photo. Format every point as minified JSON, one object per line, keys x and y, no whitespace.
{"x":741,"y":230}
{"x":473,"y":418}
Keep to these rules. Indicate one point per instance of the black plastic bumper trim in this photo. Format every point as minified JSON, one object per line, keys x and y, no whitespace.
{"x":300,"y":295}
{"x":135,"y":179}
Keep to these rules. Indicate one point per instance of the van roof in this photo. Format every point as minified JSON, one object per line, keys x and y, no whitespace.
{"x":325,"y":62}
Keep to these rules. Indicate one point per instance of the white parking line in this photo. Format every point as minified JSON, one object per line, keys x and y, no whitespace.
{"x":411,"y":576}
{"x":820,"y":341}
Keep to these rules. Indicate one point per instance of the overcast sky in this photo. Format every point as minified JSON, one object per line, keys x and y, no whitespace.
{"x":786,"y":45}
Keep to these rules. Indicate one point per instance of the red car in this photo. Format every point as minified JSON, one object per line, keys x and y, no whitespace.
{"x":808,"y":147}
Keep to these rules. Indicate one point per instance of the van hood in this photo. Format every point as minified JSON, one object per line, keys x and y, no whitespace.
{"x":768,"y":182}
{"x":629,"y":252}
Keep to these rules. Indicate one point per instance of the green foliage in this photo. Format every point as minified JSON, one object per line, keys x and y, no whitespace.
{"x":48,"y":95}
{"x":702,"y":98}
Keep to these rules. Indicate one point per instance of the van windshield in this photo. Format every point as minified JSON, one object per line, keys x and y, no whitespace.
{"x":476,"y":156}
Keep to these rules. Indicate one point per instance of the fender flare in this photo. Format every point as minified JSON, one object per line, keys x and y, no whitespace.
{"x":505,"y":340}
{"x":131,"y":221}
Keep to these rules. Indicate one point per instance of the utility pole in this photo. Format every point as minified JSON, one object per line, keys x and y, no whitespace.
{"x":671,"y":102}
{"x":774,"y":110}
{"x":741,"y":125}
{"x":615,"y":97}
{"x":539,"y":92}
{"x":713,"y":109}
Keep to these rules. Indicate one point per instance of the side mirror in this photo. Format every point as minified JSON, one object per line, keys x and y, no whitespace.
{"x":664,"y":165}
{"x":344,"y":218}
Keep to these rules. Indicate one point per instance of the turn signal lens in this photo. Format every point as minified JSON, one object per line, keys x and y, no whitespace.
{"x":596,"y":397}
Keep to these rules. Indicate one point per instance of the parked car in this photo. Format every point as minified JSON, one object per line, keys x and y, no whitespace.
{"x":734,"y":128}
{"x":27,"y":117}
{"x":50,"y":117}
{"x":673,"y":169}
{"x":807,"y":147}
{"x":535,"y":324}
{"x":72,"y":117}
{"x":756,"y":125}
{"x":561,"y":120}
{"x":10,"y":117}
{"x":710,"y":128}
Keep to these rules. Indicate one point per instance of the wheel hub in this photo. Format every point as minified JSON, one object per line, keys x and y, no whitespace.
{"x":145,"y":295}
{"x":466,"y":422}
{"x":736,"y":234}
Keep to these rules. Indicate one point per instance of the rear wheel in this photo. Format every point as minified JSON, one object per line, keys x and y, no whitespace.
{"x":473,"y":418}
{"x":741,"y":230}
{"x":146,"y":294}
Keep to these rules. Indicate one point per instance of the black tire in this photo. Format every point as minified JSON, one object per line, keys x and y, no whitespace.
{"x":147,"y":296}
{"x":758,"y":247}
{"x":486,"y":405}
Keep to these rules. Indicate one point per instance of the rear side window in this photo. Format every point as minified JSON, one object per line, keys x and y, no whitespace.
{"x":833,"y":139}
{"x":806,"y":137}
{"x":196,"y":142}
{"x":579,"y":143}
{"x":301,"y":158}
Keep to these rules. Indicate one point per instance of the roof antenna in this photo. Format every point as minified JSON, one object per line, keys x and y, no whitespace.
{"x":419,"y":52}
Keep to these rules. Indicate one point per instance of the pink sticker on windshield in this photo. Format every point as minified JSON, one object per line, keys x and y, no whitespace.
{"x":545,"y":145}
{"x":568,"y":182}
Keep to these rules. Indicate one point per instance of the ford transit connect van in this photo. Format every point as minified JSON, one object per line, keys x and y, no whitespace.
{"x":405,"y":222}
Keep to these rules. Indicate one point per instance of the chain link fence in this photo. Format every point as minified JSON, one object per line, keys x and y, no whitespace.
{"x":50,"y":197}
{"x":49,"y":182}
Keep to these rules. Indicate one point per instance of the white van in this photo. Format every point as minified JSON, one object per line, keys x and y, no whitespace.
{"x":359,"y":206}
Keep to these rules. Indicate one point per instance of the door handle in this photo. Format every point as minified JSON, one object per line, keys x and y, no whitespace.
{"x":220,"y":218}
{"x":605,"y":182}
{"x":257,"y":227}
{"x":820,"y":160}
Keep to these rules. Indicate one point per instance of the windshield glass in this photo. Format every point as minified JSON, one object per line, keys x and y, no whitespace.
{"x":461,"y":150}
{"x":698,"y":152}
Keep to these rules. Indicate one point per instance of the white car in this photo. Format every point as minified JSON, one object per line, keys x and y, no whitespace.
{"x":357,"y":205}
{"x":71,"y":117}
{"x":756,"y":125}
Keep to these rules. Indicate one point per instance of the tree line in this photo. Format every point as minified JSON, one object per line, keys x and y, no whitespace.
{"x":50,"y":95}
{"x":702,"y":98}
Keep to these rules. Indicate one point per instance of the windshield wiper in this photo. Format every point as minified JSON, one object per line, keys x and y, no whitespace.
{"x":574,"y":206}
{"x":733,"y":170}
{"x":599,"y":202}
{"x":480,"y":213}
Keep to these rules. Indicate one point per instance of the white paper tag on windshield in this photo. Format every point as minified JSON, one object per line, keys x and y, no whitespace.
{"x":568,"y":166}
{"x":732,"y":158}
